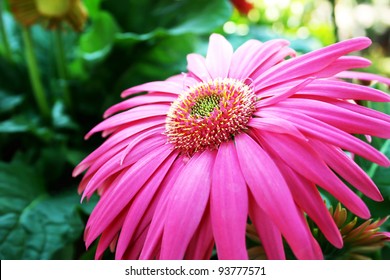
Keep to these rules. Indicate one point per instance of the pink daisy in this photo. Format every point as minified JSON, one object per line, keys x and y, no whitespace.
{"x":245,"y":133}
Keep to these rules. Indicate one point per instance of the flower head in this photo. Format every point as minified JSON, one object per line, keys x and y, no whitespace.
{"x":252,"y":132}
{"x":51,"y":13}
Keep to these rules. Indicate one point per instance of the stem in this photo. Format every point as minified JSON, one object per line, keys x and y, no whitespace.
{"x":33,"y":71}
{"x":61,"y":66}
{"x":7,"y":48}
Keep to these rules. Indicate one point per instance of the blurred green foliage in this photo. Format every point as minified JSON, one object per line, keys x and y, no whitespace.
{"x":124,"y":43}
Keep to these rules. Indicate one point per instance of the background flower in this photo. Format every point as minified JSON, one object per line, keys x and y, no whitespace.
{"x":50,"y":13}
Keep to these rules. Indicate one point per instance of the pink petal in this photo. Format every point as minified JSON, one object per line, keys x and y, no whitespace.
{"x":343,"y":90}
{"x":324,"y":132}
{"x":343,"y":119}
{"x":309,"y":200}
{"x":116,"y":140}
{"x":133,"y":252}
{"x":127,"y":117}
{"x":140,"y":204}
{"x":250,"y":57}
{"x":302,"y":158}
{"x":277,"y":57}
{"x":275,"y":125}
{"x":270,"y":236}
{"x":117,"y":198}
{"x":202,"y":243}
{"x":272,"y":193}
{"x":154,"y":236}
{"x":219,"y":56}
{"x":309,"y":63}
{"x":139,"y":100}
{"x":363,"y":76}
{"x":361,"y":110}
{"x":284,"y":95}
{"x":106,"y":153}
{"x":109,"y":234}
{"x":229,"y":204}
{"x":150,"y":133}
{"x":114,"y":165}
{"x":341,"y":64}
{"x":153,"y":207}
{"x":184,"y":79}
{"x":197,"y":66}
{"x":183,"y":218}
{"x":348,"y":169}
{"x":158,"y":86}
{"x":243,"y":60}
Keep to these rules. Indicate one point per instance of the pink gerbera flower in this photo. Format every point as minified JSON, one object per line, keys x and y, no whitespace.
{"x":244,"y":133}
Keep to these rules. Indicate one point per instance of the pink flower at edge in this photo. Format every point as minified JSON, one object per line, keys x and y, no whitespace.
{"x":243,"y":133}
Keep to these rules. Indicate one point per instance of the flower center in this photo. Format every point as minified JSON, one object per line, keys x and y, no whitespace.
{"x":208,"y":114}
{"x":205,"y":105}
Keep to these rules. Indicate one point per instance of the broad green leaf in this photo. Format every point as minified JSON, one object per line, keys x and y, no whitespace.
{"x":13,"y":126}
{"x":9,"y":101}
{"x":33,"y":224}
{"x":11,"y":29}
{"x":13,"y":77}
{"x":60,"y":118}
{"x":165,"y":58}
{"x":24,"y":123}
{"x":201,"y":17}
{"x":93,"y":7}
{"x":97,"y":42}
{"x":154,"y":19}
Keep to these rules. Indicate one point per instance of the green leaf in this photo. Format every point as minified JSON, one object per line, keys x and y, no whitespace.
{"x":25,"y":123}
{"x":202,"y":17}
{"x":60,"y":118}
{"x":168,"y":18}
{"x":9,"y":102}
{"x":13,"y":126}
{"x":33,"y":224}
{"x":97,"y":42}
{"x":93,"y":7}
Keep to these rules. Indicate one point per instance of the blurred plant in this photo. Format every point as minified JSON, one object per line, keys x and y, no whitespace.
{"x":306,"y":22}
{"x":3,"y":36}
{"x":50,"y":13}
{"x":361,"y":240}
{"x":367,"y":18}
